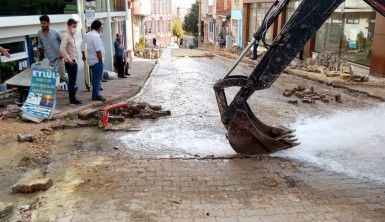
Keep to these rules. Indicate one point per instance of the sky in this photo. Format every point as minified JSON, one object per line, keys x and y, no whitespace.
{"x":182,"y":3}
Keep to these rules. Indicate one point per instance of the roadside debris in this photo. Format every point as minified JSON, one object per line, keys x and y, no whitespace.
{"x":30,"y":186}
{"x":12,"y":111}
{"x":123,"y":110}
{"x":5,"y":209}
{"x":307,"y":95}
{"x":26,"y":138}
{"x":329,"y":64}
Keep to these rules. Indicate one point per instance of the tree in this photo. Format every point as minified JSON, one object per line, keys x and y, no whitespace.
{"x":191,"y":19}
{"x":177,"y":28}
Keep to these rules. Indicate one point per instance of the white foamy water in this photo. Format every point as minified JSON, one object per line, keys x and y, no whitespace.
{"x":350,"y":142}
{"x":194,"y":128}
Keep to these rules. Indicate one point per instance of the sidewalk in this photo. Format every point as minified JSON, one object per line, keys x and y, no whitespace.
{"x":375,"y":88}
{"x":113,"y":90}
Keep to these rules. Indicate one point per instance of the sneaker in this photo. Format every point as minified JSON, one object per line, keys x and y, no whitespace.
{"x":75,"y":102}
{"x":123,"y":77}
{"x":100,"y":98}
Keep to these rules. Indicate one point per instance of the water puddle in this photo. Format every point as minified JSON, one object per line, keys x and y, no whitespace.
{"x":348,"y":142}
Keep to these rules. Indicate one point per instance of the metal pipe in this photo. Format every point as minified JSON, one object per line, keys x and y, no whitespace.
{"x":243,"y":54}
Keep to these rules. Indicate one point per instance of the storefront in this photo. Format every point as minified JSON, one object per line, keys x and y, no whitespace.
{"x":256,"y":13}
{"x":354,"y":31}
{"x":349,"y":32}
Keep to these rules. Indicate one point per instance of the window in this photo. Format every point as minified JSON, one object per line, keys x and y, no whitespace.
{"x":349,"y":32}
{"x":257,"y":14}
{"x":15,"y":47}
{"x":37,"y":7}
{"x":117,"y":5}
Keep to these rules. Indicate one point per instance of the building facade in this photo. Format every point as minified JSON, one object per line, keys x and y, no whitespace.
{"x":140,"y":10}
{"x":19,"y":24}
{"x":354,"y":31}
{"x":158,"y":24}
{"x":236,"y":22}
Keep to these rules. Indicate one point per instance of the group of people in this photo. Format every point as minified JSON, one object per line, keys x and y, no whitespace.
{"x":61,"y":51}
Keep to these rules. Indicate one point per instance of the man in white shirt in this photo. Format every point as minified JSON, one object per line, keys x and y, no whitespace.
{"x":95,"y":52}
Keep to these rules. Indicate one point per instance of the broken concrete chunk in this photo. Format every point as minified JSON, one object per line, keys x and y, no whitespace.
{"x":287,"y":93}
{"x":5,"y":209}
{"x":325,"y":100}
{"x":307,"y":100}
{"x":300,"y":94}
{"x":338,"y":98}
{"x":31,"y":186}
{"x":292,"y":101}
{"x":346,"y":76}
{"x":26,"y":138}
{"x":156,"y":107}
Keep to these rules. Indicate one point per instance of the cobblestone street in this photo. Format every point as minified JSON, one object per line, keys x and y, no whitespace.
{"x":181,"y":168}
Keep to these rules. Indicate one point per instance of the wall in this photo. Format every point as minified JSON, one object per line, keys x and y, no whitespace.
{"x":377,"y":67}
{"x":237,"y":26}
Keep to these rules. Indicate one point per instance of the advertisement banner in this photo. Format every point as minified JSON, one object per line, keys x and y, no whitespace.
{"x":41,"y":100}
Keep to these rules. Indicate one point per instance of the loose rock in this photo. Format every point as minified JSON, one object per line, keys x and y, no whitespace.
{"x":338,"y":98}
{"x":26,"y":138}
{"x":307,"y":100}
{"x":292,"y":101}
{"x":32,"y":185}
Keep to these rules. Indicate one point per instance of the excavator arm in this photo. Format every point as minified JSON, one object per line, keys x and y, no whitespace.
{"x":246,"y":133}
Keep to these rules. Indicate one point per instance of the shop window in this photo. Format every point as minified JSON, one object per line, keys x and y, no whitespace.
{"x":15,"y":47}
{"x":117,"y":5}
{"x":257,"y":14}
{"x":37,"y":7}
{"x":349,"y":32}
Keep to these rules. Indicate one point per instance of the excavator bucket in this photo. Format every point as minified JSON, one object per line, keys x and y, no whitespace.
{"x":248,"y":135}
{"x":245,"y":132}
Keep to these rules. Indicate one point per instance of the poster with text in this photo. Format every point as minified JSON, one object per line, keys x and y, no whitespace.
{"x":41,"y":100}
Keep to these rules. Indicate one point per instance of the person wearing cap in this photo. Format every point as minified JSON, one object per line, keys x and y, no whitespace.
{"x":69,"y":52}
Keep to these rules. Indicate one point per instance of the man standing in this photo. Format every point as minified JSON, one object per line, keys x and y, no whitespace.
{"x":118,"y":57}
{"x":49,"y":45}
{"x":95,"y":52}
{"x":69,"y":52}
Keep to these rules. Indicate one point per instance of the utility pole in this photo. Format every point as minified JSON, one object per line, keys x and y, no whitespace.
{"x":199,"y":22}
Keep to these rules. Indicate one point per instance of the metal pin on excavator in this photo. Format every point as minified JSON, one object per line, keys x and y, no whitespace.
{"x":246,"y":133}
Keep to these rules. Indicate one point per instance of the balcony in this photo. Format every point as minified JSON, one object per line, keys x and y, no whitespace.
{"x":141,"y":7}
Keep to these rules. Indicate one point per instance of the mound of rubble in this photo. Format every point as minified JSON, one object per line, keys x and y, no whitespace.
{"x":330,"y":65}
{"x":308,"y":95}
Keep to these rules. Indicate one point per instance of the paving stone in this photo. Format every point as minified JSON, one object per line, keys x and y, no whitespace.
{"x":26,"y":138}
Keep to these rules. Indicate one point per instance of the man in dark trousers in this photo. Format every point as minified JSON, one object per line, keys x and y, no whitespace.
{"x":69,"y":52}
{"x":118,"y":57}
